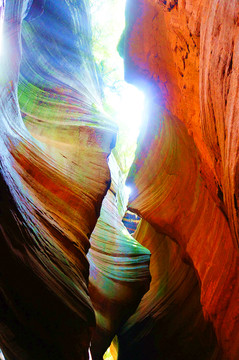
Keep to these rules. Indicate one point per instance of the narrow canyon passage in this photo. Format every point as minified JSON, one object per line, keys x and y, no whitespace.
{"x":81,"y":276}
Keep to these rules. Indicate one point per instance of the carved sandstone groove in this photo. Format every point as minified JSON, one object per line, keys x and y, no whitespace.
{"x":119,"y":269}
{"x":170,"y":312}
{"x":50,"y":199}
{"x":185,"y":170}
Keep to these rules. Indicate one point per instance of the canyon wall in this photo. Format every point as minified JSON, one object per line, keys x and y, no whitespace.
{"x":119,"y":269}
{"x":184,"y":55}
{"x":54,"y":176}
{"x":58,"y":178}
{"x":169,"y":322}
{"x":56,"y":141}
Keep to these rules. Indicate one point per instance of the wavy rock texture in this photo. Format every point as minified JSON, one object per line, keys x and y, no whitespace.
{"x":52,"y":180}
{"x":54,"y":175}
{"x":175,"y":200}
{"x":188,"y":50}
{"x":169,"y":322}
{"x":119,"y":270}
{"x":184,"y":53}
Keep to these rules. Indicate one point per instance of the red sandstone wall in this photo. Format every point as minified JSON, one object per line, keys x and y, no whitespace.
{"x":189,"y":49}
{"x":185,"y":174}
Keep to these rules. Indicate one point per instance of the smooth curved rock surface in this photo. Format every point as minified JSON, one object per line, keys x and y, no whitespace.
{"x":184,"y":54}
{"x":169,"y":322}
{"x":53,"y":180}
{"x":175,"y":200}
{"x":55,"y":140}
{"x":188,"y":51}
{"x":119,"y":269}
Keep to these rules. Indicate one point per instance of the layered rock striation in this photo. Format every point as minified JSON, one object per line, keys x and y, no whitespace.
{"x":119,"y":269}
{"x":55,"y":142}
{"x":184,"y":176}
{"x":54,"y":175}
{"x":169,"y":322}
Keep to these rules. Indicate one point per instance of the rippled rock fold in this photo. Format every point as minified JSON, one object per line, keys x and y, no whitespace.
{"x":72,"y":277}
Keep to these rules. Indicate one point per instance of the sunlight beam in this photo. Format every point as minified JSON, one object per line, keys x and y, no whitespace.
{"x":122,"y":101}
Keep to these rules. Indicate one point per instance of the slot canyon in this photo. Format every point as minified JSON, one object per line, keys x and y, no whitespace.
{"x":85,"y":272}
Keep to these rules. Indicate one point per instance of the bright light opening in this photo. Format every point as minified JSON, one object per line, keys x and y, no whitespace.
{"x":128,"y":104}
{"x":124,"y":102}
{"x":107,"y":355}
{"x":128,"y":190}
{"x":125,"y":232}
{"x":112,"y":352}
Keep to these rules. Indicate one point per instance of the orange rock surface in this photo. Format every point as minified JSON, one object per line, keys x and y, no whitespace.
{"x":169,"y":322}
{"x":55,"y":142}
{"x":189,"y":50}
{"x":185,"y":173}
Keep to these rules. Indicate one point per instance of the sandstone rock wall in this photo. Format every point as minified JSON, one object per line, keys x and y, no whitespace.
{"x":184,"y":54}
{"x":119,"y":270}
{"x":169,"y":322}
{"x":54,"y":175}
